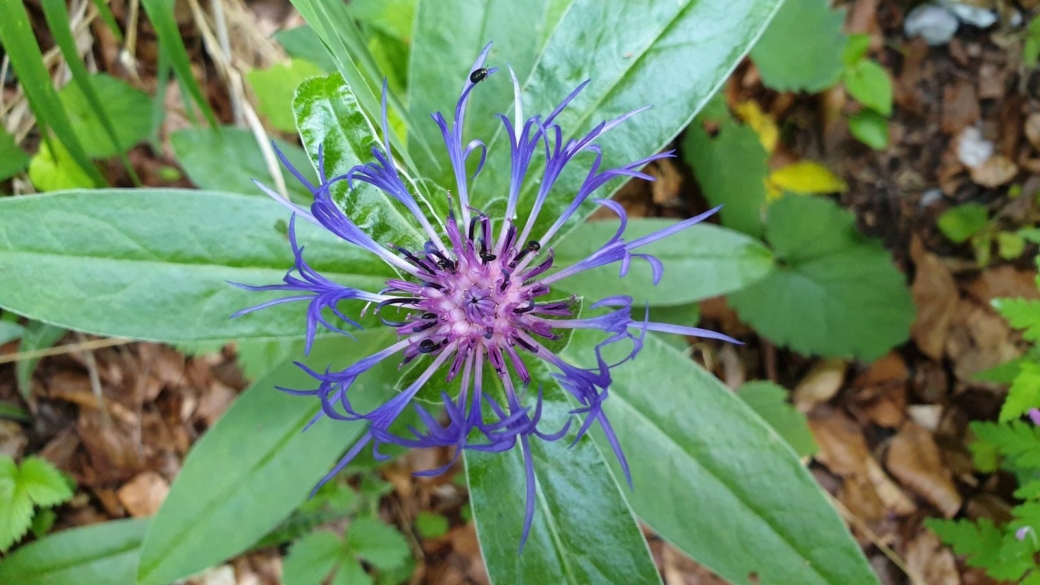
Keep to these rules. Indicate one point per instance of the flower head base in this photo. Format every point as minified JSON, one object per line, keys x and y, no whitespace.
{"x":476,"y":299}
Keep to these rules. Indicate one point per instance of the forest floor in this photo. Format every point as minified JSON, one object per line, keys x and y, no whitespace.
{"x":892,"y":435}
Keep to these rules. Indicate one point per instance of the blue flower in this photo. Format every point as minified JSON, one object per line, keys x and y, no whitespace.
{"x":476,"y":296}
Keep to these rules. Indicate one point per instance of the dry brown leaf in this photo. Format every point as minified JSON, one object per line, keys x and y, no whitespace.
{"x":930,"y":562}
{"x":862,"y":500}
{"x":935,"y":295}
{"x":894,"y":499}
{"x":914,"y":459}
{"x":143,"y":494}
{"x":114,"y":454}
{"x":997,"y":170}
{"x":843,"y":449}
{"x":888,"y":370}
{"x":820,"y":384}
{"x":979,"y":339}
{"x":1004,"y":281}
{"x":667,"y":185}
{"x":960,"y":107}
{"x":1032,"y":129}
{"x":884,"y":406}
{"x":214,"y":402}
{"x":12,"y":439}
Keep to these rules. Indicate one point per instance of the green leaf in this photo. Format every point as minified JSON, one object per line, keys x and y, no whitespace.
{"x":855,"y":49}
{"x":107,"y":114}
{"x":769,"y":400}
{"x":700,"y":262}
{"x":963,"y":221}
{"x":44,"y":484}
{"x":302,"y":43}
{"x":56,"y":170}
{"x":1031,"y":47}
{"x":161,"y":13}
{"x":836,"y":293}
{"x":1021,"y":314}
{"x":16,"y":508}
{"x":684,"y":50}
{"x":583,"y":531}
{"x":328,"y":115}
{"x":440,"y":63}
{"x":351,"y":573}
{"x":1017,"y":441}
{"x":431,"y":525}
{"x":869,"y":83}
{"x":870,"y":128}
{"x":334,"y":24}
{"x":1010,"y":245}
{"x":379,"y":544}
{"x":1024,"y":393}
{"x":13,"y":160}
{"x":275,"y":86}
{"x":701,"y":460}
{"x":100,"y":554}
{"x":155,"y":264}
{"x":800,"y":28}
{"x":227,"y":159}
{"x":19,"y":42}
{"x":393,"y":17}
{"x":255,"y":465}
{"x":731,"y":171}
{"x":10,"y":331}
{"x":43,"y":521}
{"x":257,"y":357}
{"x":37,"y":336}
{"x":312,"y":558}
{"x":979,"y":542}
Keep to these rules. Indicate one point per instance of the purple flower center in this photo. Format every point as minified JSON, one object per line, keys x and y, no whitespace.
{"x":479,"y":296}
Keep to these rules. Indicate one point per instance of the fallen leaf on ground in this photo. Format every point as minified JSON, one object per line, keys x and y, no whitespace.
{"x":929,"y":561}
{"x":995,"y":171}
{"x":979,"y":339}
{"x":144,"y":494}
{"x":667,"y":183}
{"x":894,"y":499}
{"x":1004,"y":281}
{"x":935,"y":295}
{"x":960,"y":107}
{"x":914,"y":459}
{"x":820,"y":384}
{"x":843,"y":450}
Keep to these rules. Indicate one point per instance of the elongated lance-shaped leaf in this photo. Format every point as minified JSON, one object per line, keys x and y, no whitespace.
{"x":17,"y":37}
{"x":160,"y":12}
{"x":156,"y":263}
{"x":57,"y":15}
{"x":100,"y":554}
{"x":256,"y":465}
{"x":439,"y":62}
{"x":669,"y":55}
{"x":105,"y":12}
{"x":583,"y":530}
{"x":337,"y":30}
{"x":715,"y":480}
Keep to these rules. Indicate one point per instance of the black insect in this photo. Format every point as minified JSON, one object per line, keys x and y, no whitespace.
{"x":478,"y":75}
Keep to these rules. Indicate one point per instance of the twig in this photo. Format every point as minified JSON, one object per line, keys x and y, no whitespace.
{"x":220,"y":23}
{"x":128,"y":55}
{"x":237,"y":88}
{"x":64,"y":349}
{"x":95,"y":382}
